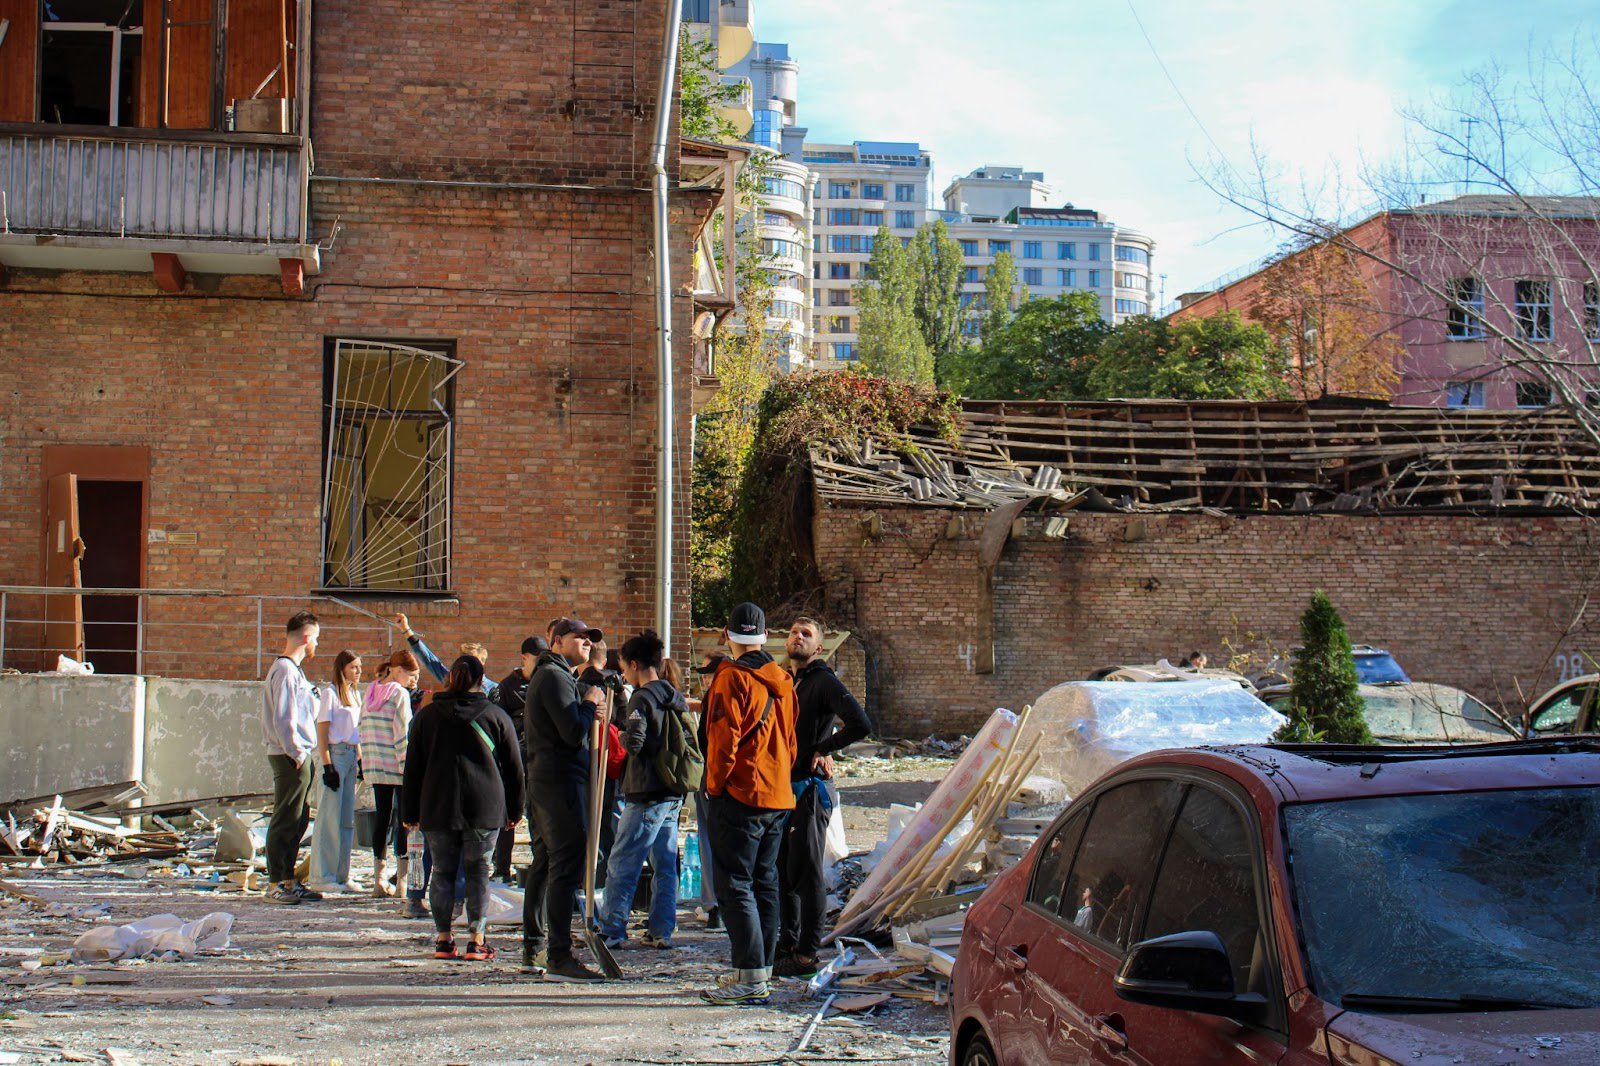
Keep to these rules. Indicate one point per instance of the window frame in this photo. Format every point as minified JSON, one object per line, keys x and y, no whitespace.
{"x":1591,"y":311}
{"x":1033,"y":276}
{"x":1522,"y":320}
{"x":1033,"y":249}
{"x":1464,"y":319}
{"x":1470,"y":386}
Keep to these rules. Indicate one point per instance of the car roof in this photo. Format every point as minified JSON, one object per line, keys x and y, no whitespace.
{"x":1320,"y":772}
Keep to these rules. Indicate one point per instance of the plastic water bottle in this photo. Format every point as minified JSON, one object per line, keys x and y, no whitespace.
{"x":689,"y":868}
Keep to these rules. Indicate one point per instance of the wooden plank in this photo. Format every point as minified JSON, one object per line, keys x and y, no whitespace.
{"x":19,"y":58}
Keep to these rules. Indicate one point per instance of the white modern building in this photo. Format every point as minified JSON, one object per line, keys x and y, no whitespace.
{"x":855,"y":189}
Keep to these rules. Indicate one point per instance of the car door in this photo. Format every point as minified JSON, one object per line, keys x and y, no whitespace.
{"x":1085,"y":929}
{"x":1212,"y":877}
{"x":1570,"y":709}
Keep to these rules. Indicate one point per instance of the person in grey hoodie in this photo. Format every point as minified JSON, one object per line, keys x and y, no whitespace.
{"x":648,"y":828}
{"x":462,"y":787}
{"x":289,"y":725}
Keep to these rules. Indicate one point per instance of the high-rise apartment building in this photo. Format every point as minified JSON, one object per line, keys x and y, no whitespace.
{"x":855,"y":189}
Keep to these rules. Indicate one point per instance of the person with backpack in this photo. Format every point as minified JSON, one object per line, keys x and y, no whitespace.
{"x":663,"y":765}
{"x":750,"y":714}
{"x":462,"y":787}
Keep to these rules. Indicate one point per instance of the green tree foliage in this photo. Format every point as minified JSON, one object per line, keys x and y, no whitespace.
{"x":936,"y":263}
{"x":1327,"y":703}
{"x":701,"y":91}
{"x":891,"y":341}
{"x":1000,"y":297}
{"x":1215,"y":358}
{"x":1046,"y":350}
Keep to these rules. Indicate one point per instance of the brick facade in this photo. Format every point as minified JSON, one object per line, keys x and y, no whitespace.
{"x":1483,"y":604}
{"x":536,"y":266}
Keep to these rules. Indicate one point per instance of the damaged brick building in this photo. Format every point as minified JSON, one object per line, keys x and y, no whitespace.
{"x":340,"y":297}
{"x":1054,"y":539}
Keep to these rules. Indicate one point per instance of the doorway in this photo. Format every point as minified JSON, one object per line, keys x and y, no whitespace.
{"x":110,"y":516}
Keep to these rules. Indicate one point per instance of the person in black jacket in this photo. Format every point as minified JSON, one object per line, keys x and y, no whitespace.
{"x":462,"y":786}
{"x":557,"y":717}
{"x":598,"y":674}
{"x":802,"y":877}
{"x":649,"y":824}
{"x":509,"y":698}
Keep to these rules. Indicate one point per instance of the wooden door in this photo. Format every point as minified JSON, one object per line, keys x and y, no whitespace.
{"x":63,"y":568}
{"x":19,"y":58}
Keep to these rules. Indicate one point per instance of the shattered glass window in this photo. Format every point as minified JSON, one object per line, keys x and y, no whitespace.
{"x":1207,"y":882}
{"x":1055,"y":859}
{"x":1451,"y":896}
{"x":1111,"y":876}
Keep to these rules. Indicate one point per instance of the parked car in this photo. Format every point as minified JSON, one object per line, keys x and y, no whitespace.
{"x":1299,"y":905}
{"x":1570,"y":707}
{"x":1165,"y":671}
{"x":1419,"y":712}
{"x":1374,"y":666}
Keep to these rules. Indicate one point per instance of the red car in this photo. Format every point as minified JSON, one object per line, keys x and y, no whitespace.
{"x":1300,"y":904}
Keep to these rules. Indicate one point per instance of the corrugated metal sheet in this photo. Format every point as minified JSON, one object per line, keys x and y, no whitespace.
{"x":173,"y":189}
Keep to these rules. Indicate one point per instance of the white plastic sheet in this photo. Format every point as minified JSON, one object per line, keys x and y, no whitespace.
{"x":1096,"y":725}
{"x":161,"y":935}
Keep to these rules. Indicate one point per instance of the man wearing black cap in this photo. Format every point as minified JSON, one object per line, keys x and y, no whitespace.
{"x":557,"y":717}
{"x":509,"y":698}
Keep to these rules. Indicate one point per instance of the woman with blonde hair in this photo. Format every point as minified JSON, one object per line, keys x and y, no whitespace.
{"x":385,"y":725}
{"x":339,"y":744}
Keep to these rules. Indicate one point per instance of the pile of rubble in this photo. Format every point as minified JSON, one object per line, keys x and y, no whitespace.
{"x":898,"y":934}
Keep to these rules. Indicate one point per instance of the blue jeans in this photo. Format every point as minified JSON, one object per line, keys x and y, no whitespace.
{"x":470,"y":850}
{"x":708,"y":864}
{"x":645,"y":830}
{"x":335,"y":831}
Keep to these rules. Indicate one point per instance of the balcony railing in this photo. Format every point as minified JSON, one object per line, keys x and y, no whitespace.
{"x":116,"y":185}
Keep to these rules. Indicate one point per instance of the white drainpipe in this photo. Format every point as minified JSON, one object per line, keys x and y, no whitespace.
{"x":663,"y":264}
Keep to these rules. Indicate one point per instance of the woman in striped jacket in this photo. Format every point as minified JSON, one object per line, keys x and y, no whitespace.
{"x":385,"y":723}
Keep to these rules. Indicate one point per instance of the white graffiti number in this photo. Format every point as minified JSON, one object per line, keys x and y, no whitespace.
{"x":1574,"y":665}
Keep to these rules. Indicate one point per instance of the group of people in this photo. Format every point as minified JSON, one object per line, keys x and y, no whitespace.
{"x":456,"y":770}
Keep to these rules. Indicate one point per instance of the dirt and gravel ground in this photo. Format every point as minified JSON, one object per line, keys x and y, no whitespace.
{"x":349,"y":981}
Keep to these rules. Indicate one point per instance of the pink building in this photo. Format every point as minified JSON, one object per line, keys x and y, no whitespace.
{"x":1491,"y":297}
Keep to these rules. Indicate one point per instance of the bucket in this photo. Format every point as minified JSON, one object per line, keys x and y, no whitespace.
{"x":366,"y":822}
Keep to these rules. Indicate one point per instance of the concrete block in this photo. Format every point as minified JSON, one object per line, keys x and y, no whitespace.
{"x":203,"y":738}
{"x":60,"y":732}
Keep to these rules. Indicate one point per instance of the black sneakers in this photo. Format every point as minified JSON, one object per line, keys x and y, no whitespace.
{"x":571,"y":970}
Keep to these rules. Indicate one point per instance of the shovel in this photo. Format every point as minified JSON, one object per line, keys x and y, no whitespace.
{"x":597,"y":791}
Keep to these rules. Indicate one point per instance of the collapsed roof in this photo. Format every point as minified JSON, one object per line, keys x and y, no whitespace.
{"x":1226,"y":456}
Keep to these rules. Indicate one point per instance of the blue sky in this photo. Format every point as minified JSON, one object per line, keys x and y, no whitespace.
{"x":1070,"y":87}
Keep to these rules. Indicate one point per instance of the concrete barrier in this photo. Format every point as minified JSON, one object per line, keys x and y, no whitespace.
{"x":203,"y":738}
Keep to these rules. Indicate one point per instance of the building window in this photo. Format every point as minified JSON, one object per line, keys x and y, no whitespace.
{"x":839,"y":324}
{"x":1130,"y":281}
{"x":1032,"y":250}
{"x":838,"y":297}
{"x":784,"y":309}
{"x":996,"y":247}
{"x":1066,"y":278}
{"x":1534,"y":319}
{"x":1591,"y":311}
{"x":872,"y":190}
{"x":784,"y":187}
{"x":839,"y":270}
{"x":1032,"y":276}
{"x":844,"y":351}
{"x":1132,"y":307}
{"x":386,"y":483}
{"x":1463,"y":393}
{"x":791,"y":249}
{"x":842,"y":216}
{"x":969,"y":275}
{"x":841,"y":190}
{"x":1066,"y":250}
{"x":1465,"y":313}
{"x":1094,"y":251}
{"x":905,"y":194}
{"x":971,"y":326}
{"x":849,"y":242}
{"x":816,"y":297}
{"x":905,"y":220}
{"x":969,"y":247}
{"x":1094,"y":277}
{"x":1533,"y":394}
{"x":1129,"y":254}
{"x":872,"y":218}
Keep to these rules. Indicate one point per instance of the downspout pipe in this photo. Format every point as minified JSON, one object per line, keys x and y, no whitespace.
{"x":663,"y":288}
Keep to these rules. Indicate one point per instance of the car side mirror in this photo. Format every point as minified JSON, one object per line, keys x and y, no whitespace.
{"x":1186,"y":971}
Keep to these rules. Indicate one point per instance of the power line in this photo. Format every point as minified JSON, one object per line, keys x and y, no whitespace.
{"x":1174,"y":83}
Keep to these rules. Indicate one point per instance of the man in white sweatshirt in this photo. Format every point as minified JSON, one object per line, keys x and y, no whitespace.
{"x":289,"y":721}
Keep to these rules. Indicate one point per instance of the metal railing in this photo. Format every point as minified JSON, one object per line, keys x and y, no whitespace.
{"x":185,"y":632}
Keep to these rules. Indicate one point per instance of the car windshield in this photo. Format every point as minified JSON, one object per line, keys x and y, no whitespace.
{"x":1411,"y":713}
{"x":1448,"y":896}
{"x":1378,"y":668}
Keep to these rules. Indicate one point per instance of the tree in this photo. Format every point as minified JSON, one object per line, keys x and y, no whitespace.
{"x":1328,"y":320}
{"x":891,"y":341}
{"x":999,"y":296}
{"x":1045,"y":351}
{"x":1219,"y":357}
{"x":937,"y":263}
{"x":1326,"y":699}
{"x":701,"y":91}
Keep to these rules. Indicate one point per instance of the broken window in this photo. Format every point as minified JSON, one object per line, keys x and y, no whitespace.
{"x":1533,"y":394}
{"x":90,"y":55}
{"x":1463,"y":393}
{"x":386,"y":478}
{"x":1535,"y":322}
{"x":1465,"y":313}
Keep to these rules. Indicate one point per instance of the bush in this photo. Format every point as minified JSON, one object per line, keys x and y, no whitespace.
{"x":1327,"y":703}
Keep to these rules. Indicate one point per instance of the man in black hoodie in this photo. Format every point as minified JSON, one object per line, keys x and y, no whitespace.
{"x":509,"y":697}
{"x":802,"y":877}
{"x":557,"y":718}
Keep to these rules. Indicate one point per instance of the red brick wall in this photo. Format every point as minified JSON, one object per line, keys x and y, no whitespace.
{"x":1483,"y":604}
{"x":546,"y":294}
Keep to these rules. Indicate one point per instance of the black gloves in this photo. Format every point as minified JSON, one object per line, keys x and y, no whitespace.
{"x":361,"y":771}
{"x":330,"y":777}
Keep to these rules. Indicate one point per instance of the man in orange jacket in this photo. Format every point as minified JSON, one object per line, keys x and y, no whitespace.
{"x":750,"y":713}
